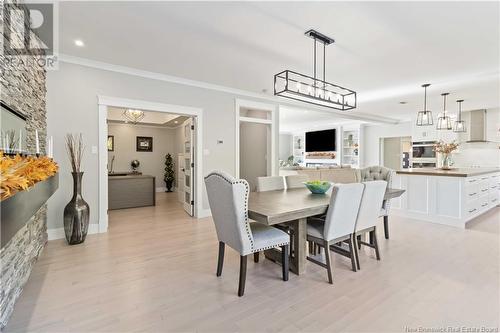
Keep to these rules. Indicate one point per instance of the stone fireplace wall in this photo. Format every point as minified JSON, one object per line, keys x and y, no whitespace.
{"x":22,"y":88}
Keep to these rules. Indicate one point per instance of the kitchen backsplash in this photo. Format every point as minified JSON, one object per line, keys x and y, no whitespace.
{"x":477,"y":155}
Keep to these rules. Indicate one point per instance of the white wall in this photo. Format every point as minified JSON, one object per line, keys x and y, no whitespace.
{"x":72,"y":107}
{"x":152,"y":163}
{"x":285,"y":146}
{"x":371,"y":139}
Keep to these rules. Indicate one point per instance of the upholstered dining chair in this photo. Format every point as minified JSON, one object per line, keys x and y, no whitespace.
{"x":339,"y":224}
{"x":295,"y":181}
{"x":228,"y":199}
{"x":380,"y":173}
{"x":271,"y":183}
{"x":369,"y":210}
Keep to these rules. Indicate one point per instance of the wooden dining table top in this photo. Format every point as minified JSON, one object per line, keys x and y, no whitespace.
{"x":273,"y":207}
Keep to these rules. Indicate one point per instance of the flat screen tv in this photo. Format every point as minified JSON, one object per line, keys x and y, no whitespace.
{"x":321,"y":141}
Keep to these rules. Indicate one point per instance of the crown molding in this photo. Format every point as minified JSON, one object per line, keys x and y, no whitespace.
{"x":215,"y":87}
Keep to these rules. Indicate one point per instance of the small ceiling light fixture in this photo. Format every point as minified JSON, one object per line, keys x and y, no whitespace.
{"x":424,"y":118}
{"x":133,"y":116}
{"x":459,"y":126}
{"x":444,"y":121}
{"x":312,"y":90}
{"x":79,"y":42}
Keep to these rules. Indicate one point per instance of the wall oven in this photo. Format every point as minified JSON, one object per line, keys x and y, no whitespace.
{"x":423,"y":155}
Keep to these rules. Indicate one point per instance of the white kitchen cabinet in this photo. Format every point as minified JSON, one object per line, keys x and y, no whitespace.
{"x":446,"y":199}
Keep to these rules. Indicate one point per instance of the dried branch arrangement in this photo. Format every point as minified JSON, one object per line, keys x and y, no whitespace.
{"x":20,"y":173}
{"x":445,"y":148}
{"x":75,"y":148}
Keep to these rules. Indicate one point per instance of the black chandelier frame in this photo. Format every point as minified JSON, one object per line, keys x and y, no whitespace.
{"x":317,"y":91}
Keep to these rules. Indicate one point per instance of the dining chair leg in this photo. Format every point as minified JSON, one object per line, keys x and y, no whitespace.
{"x":355,"y":247}
{"x":243,"y":275}
{"x":328,"y":262}
{"x":220,"y":261}
{"x":375,"y":243}
{"x":256,"y":257}
{"x":371,"y":233}
{"x":285,"y":261}
{"x":351,"y":252}
{"x":386,"y":226}
{"x":359,"y":242}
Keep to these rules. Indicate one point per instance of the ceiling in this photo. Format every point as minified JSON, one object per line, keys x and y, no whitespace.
{"x":383,"y":50}
{"x":159,"y":119}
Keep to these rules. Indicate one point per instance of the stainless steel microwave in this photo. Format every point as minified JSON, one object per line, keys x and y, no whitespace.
{"x":423,"y":149}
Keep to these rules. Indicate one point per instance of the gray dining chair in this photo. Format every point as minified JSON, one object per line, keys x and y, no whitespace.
{"x":380,"y":173}
{"x":338,"y":226}
{"x":369,"y":210}
{"x":271,"y":183}
{"x":228,"y":199}
{"x":296,"y":181}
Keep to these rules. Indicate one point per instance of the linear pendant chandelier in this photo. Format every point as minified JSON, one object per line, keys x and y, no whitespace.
{"x":301,"y":87}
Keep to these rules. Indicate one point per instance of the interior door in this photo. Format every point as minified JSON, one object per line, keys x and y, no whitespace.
{"x":189,"y":167}
{"x":180,"y":177}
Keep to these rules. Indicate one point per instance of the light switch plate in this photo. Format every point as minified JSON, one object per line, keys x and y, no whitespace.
{"x":94,"y":149}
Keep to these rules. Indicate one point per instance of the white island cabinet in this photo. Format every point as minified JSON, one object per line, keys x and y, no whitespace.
{"x":452,"y":197}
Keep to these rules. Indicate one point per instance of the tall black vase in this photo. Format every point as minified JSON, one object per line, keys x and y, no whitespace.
{"x":76,"y":213}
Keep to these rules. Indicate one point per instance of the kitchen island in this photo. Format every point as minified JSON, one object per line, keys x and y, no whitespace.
{"x":452,"y":197}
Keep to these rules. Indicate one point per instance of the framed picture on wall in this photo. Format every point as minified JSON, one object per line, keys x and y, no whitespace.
{"x":144,"y":143}
{"x":111,"y":142}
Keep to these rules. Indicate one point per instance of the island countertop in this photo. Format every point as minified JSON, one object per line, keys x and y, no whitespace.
{"x":455,"y":172}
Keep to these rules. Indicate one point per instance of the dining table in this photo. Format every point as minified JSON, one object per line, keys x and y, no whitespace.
{"x":292,"y":207}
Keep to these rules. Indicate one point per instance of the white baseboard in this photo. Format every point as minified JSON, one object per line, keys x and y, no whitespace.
{"x":58,"y":233}
{"x":204,"y":213}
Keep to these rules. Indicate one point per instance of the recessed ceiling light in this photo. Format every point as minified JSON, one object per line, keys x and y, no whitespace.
{"x":79,"y":42}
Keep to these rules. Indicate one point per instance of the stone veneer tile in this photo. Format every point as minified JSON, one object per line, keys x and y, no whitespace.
{"x":24,"y":90}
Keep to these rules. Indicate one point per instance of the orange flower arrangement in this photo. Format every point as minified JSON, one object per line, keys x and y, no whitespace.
{"x":20,"y":173}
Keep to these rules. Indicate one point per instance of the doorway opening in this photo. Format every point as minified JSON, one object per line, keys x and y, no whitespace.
{"x":143,"y":147}
{"x":135,"y":138}
{"x":395,"y":152}
{"x":255,"y":141}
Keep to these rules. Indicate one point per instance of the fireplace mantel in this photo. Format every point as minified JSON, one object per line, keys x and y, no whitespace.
{"x":18,"y":209}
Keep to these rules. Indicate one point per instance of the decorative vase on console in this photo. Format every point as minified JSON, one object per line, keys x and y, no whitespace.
{"x":77,"y":211}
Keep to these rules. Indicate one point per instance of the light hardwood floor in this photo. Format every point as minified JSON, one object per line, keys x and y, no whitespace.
{"x":154,"y":271}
